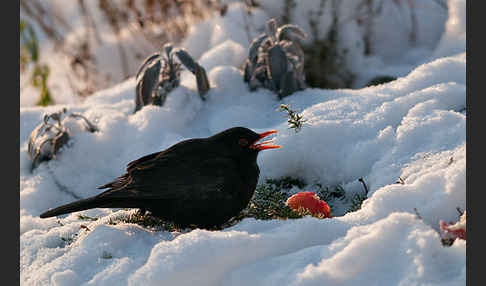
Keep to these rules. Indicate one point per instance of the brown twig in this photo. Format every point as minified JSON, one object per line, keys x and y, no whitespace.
{"x":89,"y":21}
{"x":364,"y":185}
{"x":414,"y":22}
{"x":451,"y":160}
{"x":417,"y":213}
{"x":460,"y":211}
{"x":113,"y":16}
{"x":38,"y":13}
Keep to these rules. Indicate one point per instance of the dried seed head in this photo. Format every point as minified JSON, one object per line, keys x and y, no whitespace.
{"x":168,"y":49}
{"x":292,"y":30}
{"x":159,"y":75}
{"x":273,"y":62}
{"x":51,"y":135}
{"x":272,"y":29}
{"x":147,"y":84}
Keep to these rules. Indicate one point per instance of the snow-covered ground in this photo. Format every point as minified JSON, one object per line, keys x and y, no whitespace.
{"x":413,"y":128}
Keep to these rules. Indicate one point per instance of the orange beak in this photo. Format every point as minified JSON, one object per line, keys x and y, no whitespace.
{"x":260,"y":146}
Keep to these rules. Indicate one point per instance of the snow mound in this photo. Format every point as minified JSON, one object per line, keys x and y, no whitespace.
{"x":406,"y":139}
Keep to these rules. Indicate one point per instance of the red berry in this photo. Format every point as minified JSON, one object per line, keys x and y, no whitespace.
{"x":311,"y":202}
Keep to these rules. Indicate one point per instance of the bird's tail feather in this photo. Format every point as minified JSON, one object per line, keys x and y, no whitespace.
{"x":89,"y":203}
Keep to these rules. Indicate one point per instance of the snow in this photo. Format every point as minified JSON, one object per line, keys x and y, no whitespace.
{"x":413,"y":128}
{"x":454,"y":39}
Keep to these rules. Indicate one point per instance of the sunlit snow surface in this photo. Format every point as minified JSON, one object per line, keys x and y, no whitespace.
{"x":413,"y":128}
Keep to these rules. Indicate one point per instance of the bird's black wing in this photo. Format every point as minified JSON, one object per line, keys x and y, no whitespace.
{"x":172,"y":174}
{"x":141,"y":163}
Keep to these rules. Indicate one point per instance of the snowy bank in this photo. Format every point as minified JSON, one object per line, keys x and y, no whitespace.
{"x":413,"y":129}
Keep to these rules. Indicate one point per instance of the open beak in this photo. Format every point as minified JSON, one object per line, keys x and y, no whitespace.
{"x":260,"y":146}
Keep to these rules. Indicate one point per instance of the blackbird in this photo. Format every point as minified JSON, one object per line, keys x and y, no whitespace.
{"x":199,"y":181}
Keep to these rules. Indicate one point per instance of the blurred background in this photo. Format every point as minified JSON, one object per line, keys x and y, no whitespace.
{"x":71,"y":49}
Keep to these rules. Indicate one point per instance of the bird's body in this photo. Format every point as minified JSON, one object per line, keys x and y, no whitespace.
{"x":202,"y":181}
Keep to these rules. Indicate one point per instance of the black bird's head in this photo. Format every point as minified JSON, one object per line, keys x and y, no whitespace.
{"x":243,"y":142}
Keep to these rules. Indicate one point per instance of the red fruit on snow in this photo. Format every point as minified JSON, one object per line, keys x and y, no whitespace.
{"x":311,"y":202}
{"x":455,"y":230}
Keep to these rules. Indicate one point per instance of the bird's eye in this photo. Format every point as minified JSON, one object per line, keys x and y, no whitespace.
{"x":243,"y":142}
